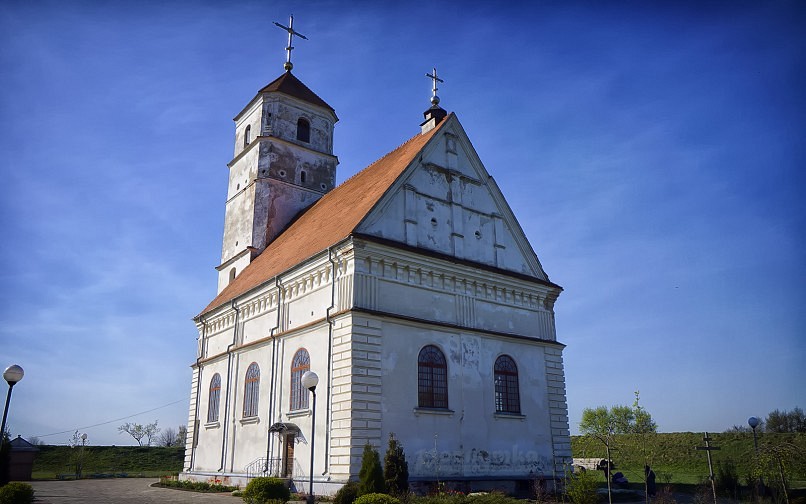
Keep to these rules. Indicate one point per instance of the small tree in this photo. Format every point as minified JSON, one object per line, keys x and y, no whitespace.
{"x":77,"y":444}
{"x":138,"y":431}
{"x":370,"y":478}
{"x":603,"y":424}
{"x":581,"y":487}
{"x":182,"y":435}
{"x":395,"y":468}
{"x":168,"y":437}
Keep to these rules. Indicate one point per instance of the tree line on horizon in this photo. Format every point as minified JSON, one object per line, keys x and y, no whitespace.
{"x":781,"y":421}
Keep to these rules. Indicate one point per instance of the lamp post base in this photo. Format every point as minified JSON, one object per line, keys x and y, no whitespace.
{"x":310,"y":499}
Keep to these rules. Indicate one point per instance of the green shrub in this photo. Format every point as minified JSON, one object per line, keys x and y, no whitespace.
{"x":491,"y":498}
{"x":727,"y":479}
{"x":376,"y":498}
{"x":370,"y":477}
{"x":196,"y":486}
{"x":441,"y":497}
{"x":16,"y":493}
{"x":581,"y":488}
{"x":346,"y":494}
{"x":265,"y":490}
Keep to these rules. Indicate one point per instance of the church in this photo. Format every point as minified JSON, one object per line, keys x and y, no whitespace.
{"x":410,"y":290}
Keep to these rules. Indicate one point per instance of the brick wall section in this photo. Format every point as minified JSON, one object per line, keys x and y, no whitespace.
{"x":356,"y":405}
{"x":558,"y":409}
{"x":191,"y":419}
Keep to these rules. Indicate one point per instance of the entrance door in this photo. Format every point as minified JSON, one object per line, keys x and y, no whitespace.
{"x":288,"y":461}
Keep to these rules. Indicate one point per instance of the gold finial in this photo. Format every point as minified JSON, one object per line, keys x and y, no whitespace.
{"x":434,"y":97}
{"x":290,"y":29}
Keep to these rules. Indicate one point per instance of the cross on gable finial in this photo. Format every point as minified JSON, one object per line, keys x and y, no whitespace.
{"x":290,"y":29}
{"x":433,"y":77}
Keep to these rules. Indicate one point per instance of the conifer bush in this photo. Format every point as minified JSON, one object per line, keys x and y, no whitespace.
{"x":370,"y":478}
{"x":265,"y":490}
{"x":376,"y":498}
{"x":395,"y":468}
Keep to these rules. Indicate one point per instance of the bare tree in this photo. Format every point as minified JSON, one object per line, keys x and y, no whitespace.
{"x":139,"y":431}
{"x":173,"y":437}
{"x":167,"y":437}
{"x":151,"y":431}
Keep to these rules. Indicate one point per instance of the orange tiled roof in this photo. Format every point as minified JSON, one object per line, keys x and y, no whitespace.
{"x":328,"y":221}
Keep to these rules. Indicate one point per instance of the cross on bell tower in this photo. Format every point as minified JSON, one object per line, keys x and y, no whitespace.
{"x":291,"y":32}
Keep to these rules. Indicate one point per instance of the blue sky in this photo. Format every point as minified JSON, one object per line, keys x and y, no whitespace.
{"x":652,"y":152}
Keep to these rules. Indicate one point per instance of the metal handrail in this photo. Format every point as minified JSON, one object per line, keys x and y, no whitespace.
{"x":263,"y":467}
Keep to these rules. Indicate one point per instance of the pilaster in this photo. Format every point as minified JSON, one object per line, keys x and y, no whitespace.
{"x":558,"y":410}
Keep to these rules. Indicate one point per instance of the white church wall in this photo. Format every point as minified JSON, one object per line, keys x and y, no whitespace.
{"x":216,"y":343}
{"x":247,"y":435}
{"x":405,"y":283}
{"x":210,"y":434}
{"x":470,"y":438}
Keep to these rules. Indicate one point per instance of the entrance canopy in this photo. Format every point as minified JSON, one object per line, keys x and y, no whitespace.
{"x":285,"y":428}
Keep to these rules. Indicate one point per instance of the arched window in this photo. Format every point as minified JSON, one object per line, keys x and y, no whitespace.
{"x":303,"y":130}
{"x":432,"y":373}
{"x":251,"y":389}
{"x":299,"y":394}
{"x":232,"y":274}
{"x":507,"y":396}
{"x":302,"y":177}
{"x":214,"y":399}
{"x":247,"y":135}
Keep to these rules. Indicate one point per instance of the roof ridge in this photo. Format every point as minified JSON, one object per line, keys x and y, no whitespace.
{"x":380,"y":159}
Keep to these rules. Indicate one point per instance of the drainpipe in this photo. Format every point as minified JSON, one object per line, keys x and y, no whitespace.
{"x":275,"y":330}
{"x":229,"y":387}
{"x":329,"y":398}
{"x":196,"y":421}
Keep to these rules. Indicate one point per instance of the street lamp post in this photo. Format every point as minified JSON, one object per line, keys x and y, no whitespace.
{"x":753,"y":423}
{"x":310,"y":380}
{"x":12,"y":375}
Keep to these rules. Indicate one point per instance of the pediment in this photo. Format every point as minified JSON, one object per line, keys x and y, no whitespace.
{"x":446,"y":202}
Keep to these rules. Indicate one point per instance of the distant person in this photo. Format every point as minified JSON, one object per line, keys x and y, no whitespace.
{"x":650,"y":480}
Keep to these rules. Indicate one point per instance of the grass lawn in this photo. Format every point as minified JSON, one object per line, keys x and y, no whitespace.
{"x":104,"y":461}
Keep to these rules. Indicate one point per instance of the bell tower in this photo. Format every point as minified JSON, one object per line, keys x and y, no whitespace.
{"x":283,"y":163}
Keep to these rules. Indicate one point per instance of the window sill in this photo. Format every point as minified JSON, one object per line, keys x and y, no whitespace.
{"x":433,"y":411}
{"x":298,"y":413}
{"x":212,"y":425}
{"x":250,"y":420}
{"x":509,"y":416}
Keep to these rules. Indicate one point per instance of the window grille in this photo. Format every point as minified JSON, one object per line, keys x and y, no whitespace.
{"x":507,"y":395}
{"x":299,"y":394}
{"x":214,"y":399}
{"x":251,"y":390}
{"x":432,"y":372}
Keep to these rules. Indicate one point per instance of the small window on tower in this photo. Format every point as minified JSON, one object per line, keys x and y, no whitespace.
{"x":302,"y":177}
{"x":303,"y":130}
{"x":247,"y":136}
{"x":232,"y":274}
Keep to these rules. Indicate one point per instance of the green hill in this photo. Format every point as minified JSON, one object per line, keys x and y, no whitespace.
{"x":56,"y":461}
{"x":674,"y":458}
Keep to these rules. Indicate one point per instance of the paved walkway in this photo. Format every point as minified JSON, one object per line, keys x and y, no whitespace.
{"x":120,"y":491}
